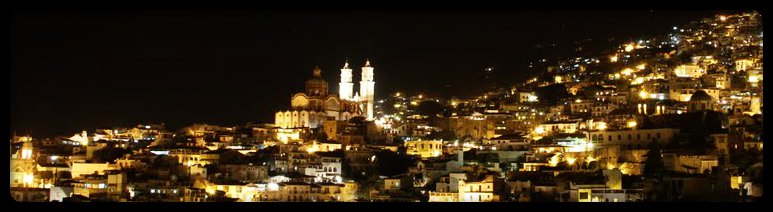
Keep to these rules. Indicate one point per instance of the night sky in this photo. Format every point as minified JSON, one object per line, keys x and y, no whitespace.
{"x":75,"y":70}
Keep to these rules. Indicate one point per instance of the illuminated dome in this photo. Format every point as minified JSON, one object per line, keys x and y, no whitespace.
{"x":316,"y":86}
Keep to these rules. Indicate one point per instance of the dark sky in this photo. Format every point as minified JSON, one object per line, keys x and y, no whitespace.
{"x":74,"y":70}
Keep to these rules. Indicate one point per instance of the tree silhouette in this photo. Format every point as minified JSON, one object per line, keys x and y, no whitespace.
{"x":552,"y":94}
{"x":430,"y":108}
{"x":109,"y":154}
{"x":653,"y":166}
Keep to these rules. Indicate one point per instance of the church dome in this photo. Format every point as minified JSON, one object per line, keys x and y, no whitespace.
{"x":316,"y":86}
{"x":700,"y":95}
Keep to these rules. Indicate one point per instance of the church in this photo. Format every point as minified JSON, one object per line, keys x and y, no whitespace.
{"x":310,"y":109}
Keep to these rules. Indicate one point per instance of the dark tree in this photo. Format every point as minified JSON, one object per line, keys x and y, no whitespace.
{"x":653,"y":166}
{"x":430,"y":108}
{"x":109,"y":154}
{"x":445,"y":135}
{"x":745,"y":158}
{"x":232,"y":157}
{"x":552,"y":94}
{"x":389,"y":163}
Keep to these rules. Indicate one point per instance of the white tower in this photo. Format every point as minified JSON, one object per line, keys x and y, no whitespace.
{"x":346,"y":87}
{"x":367,"y":89}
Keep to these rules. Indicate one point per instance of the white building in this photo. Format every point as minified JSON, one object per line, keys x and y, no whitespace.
{"x":641,"y":137}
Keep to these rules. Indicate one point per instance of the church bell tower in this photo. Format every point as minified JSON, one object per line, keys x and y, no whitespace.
{"x":367,"y":88}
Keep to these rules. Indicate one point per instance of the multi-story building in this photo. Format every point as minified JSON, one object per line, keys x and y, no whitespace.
{"x":425,"y":149}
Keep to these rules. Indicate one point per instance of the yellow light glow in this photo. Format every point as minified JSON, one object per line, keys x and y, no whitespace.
{"x":420,"y":96}
{"x":397,"y":94}
{"x":643,"y":94}
{"x":637,"y":81}
{"x":627,"y":71}
{"x":532,"y":98}
{"x":753,"y":79}
{"x":28,"y":178}
{"x":629,"y":47}
{"x":590,"y":159}
{"x":641,"y":66}
{"x":26,"y":154}
{"x":602,"y":126}
{"x":571,"y":160}
{"x":539,"y":130}
{"x":610,"y":166}
{"x":722,"y":18}
{"x":631,"y":124}
{"x":554,"y":160}
{"x":613,"y":58}
{"x":558,"y":79}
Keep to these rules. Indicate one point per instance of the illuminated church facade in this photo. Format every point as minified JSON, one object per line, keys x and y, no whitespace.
{"x":316,"y":105}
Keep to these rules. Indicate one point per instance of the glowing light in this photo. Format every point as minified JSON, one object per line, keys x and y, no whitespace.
{"x":28,"y":178}
{"x":26,"y":154}
{"x":601,"y":126}
{"x":397,"y":94}
{"x":631,"y":124}
{"x":554,"y":160}
{"x":312,"y":149}
{"x":753,"y":79}
{"x":420,"y":96}
{"x":610,"y":166}
{"x":627,"y":71}
{"x":273,"y":187}
{"x":558,"y":79}
{"x":613,"y":58}
{"x":571,"y":160}
{"x":722,"y":18}
{"x":532,"y":98}
{"x":637,"y":81}
{"x":539,"y":130}
{"x":641,"y":66}
{"x":54,"y":157}
{"x":629,"y":47}
{"x":643,"y":94}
